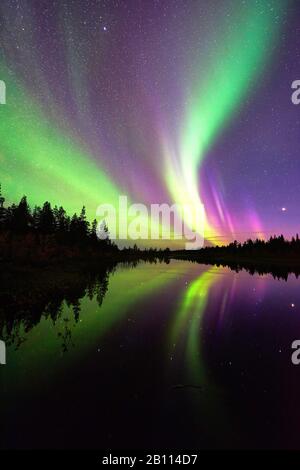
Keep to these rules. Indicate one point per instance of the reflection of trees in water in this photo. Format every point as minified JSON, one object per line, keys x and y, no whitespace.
{"x":28,"y":295}
{"x":276,"y":270}
{"x":26,"y":298}
{"x":66,"y":336}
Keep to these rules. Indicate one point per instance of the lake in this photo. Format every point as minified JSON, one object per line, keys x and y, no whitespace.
{"x":177,"y":355}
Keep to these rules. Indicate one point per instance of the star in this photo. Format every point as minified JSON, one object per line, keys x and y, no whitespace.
{"x":283,"y":209}
{"x":104,"y":28}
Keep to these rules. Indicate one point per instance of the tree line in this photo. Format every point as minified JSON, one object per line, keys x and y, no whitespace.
{"x":276,"y":246}
{"x":20,"y":218}
{"x":47,"y":226}
{"x":45,"y":233}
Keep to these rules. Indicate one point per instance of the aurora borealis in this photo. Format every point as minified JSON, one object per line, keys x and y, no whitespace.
{"x":162,"y":101}
{"x":126,"y":105}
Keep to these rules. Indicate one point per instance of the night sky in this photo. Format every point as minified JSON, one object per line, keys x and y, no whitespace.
{"x":160,"y":100}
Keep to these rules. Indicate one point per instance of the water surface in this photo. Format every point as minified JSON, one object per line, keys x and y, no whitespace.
{"x":176,"y":355}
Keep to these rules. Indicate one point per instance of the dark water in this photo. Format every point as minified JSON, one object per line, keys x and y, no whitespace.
{"x":172,"y":355}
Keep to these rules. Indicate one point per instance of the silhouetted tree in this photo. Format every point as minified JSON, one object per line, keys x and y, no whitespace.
{"x":21,"y":216}
{"x":50,"y":229}
{"x":46,"y":221}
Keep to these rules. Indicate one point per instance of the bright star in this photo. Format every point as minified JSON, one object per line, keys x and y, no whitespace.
{"x":283,"y":209}
{"x":104,"y":28}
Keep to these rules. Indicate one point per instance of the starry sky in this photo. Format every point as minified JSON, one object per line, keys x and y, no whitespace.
{"x":165,"y":101}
